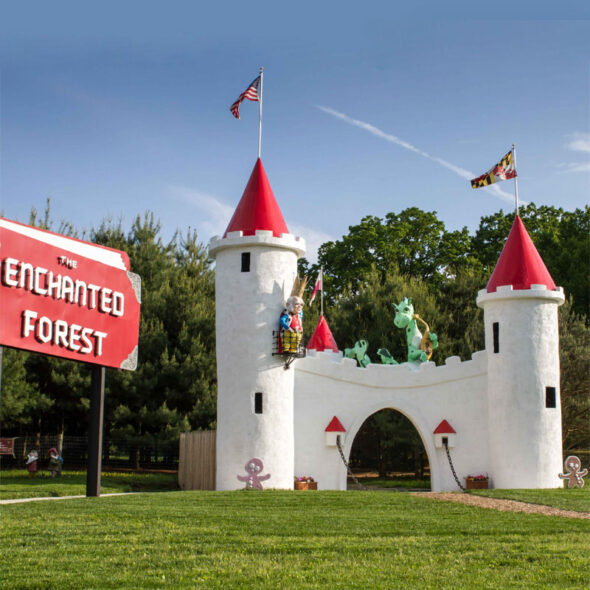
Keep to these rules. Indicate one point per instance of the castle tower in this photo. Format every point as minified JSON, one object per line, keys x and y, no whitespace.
{"x":256,"y":265}
{"x":524,"y":410}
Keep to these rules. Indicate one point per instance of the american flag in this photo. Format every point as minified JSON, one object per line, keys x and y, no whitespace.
{"x":251,"y":93}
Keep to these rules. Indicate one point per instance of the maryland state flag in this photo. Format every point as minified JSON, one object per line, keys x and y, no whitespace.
{"x":503,"y":170}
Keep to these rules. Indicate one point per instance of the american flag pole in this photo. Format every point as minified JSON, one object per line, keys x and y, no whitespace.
{"x":322,"y":292}
{"x":515,"y":178}
{"x":260,"y":115}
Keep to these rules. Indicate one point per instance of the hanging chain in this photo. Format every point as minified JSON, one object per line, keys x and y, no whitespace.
{"x":356,"y":481}
{"x":451,"y":464}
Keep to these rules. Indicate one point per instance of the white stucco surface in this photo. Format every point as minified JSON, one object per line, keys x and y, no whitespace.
{"x":327,"y":384}
{"x":524,"y":434}
{"x":248,"y":306}
{"x":495,"y":402}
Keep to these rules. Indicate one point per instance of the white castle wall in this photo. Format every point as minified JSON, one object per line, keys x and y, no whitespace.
{"x":327,"y":384}
{"x":495,"y":402}
{"x":248,"y":306}
{"x":524,"y":433}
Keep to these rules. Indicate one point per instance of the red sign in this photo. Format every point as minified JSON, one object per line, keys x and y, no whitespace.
{"x":67,"y":298}
{"x":7,"y":446}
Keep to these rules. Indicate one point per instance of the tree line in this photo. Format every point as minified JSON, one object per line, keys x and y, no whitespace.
{"x":377,"y":263}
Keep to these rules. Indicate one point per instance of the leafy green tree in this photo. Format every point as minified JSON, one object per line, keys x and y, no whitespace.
{"x":367,"y":312}
{"x":561,"y":237}
{"x":460,"y":322}
{"x":574,"y":353}
{"x":414,"y":242}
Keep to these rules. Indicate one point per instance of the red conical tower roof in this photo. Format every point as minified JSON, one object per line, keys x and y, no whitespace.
{"x":519,"y":265}
{"x":322,"y":338}
{"x":258,"y":208}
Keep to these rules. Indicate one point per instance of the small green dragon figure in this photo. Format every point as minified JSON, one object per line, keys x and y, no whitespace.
{"x":359,"y":353}
{"x":419,"y":347}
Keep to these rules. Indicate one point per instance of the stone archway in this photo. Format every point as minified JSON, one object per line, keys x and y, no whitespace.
{"x":387,"y":446}
{"x":417,"y":421}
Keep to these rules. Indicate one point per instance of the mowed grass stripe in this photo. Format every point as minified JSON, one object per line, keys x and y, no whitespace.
{"x":278,"y":539}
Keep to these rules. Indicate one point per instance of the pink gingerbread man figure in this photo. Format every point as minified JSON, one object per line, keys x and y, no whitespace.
{"x":253,"y":468}
{"x":574,"y":475}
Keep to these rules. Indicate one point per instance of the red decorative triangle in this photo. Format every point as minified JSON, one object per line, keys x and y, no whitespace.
{"x":258,"y":208}
{"x":322,"y":338}
{"x":519,"y":265}
{"x":335,"y":426}
{"x":444,"y":428}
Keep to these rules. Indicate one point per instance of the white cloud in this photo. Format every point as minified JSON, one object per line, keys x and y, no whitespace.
{"x":466,"y":174}
{"x":217,"y":214}
{"x":579,"y":142}
{"x":313,"y":239}
{"x":574,"y":167}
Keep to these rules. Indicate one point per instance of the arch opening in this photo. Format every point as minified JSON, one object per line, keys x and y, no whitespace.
{"x":388,"y":451}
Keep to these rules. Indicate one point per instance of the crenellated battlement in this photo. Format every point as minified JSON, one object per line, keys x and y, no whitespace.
{"x":333,"y":365}
{"x":237,"y":239}
{"x":510,"y":292}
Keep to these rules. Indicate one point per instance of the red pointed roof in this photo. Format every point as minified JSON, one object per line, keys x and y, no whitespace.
{"x":444,"y":428}
{"x":519,"y":265}
{"x":335,"y":426}
{"x":258,"y":208}
{"x":322,"y":338}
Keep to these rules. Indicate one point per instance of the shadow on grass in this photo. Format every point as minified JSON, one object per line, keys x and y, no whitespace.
{"x":17,"y":483}
{"x":399,"y":483}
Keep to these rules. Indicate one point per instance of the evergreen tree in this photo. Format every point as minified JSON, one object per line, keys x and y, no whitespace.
{"x":173,"y":388}
{"x":22,"y":404}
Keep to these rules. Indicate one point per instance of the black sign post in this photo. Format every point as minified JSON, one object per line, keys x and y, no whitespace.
{"x":95,"y":427}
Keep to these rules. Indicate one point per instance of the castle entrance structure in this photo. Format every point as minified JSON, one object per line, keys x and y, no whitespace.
{"x":498,"y":414}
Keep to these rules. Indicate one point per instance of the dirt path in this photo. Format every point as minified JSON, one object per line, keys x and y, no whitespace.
{"x":499,"y":504}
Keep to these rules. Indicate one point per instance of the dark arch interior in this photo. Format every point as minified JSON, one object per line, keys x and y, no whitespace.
{"x":388,"y":452}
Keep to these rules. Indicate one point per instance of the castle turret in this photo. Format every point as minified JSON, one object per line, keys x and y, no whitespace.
{"x":256,"y":265}
{"x":522,"y":343}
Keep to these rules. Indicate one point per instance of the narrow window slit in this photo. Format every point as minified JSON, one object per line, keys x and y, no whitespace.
{"x":245,"y":261}
{"x":496,"y":332}
{"x":550,"y":398}
{"x":258,"y":402}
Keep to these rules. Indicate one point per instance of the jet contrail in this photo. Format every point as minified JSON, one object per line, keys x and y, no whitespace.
{"x":393,"y":139}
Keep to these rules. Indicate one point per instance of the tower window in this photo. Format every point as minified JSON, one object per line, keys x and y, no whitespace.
{"x":245,"y":261}
{"x":550,"y":401}
{"x":258,"y":402}
{"x":496,"y":333}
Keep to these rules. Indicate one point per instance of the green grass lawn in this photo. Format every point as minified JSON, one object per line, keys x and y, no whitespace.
{"x":401,"y":482}
{"x":577,"y":499}
{"x":17,"y":483}
{"x":284,"y":540}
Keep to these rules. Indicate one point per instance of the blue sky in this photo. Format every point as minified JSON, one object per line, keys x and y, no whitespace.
{"x":118,"y":108}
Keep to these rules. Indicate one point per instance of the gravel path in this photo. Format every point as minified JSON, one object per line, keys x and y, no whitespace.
{"x":499,"y":504}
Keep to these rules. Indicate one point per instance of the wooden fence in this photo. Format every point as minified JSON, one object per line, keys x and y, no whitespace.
{"x":196,"y":463}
